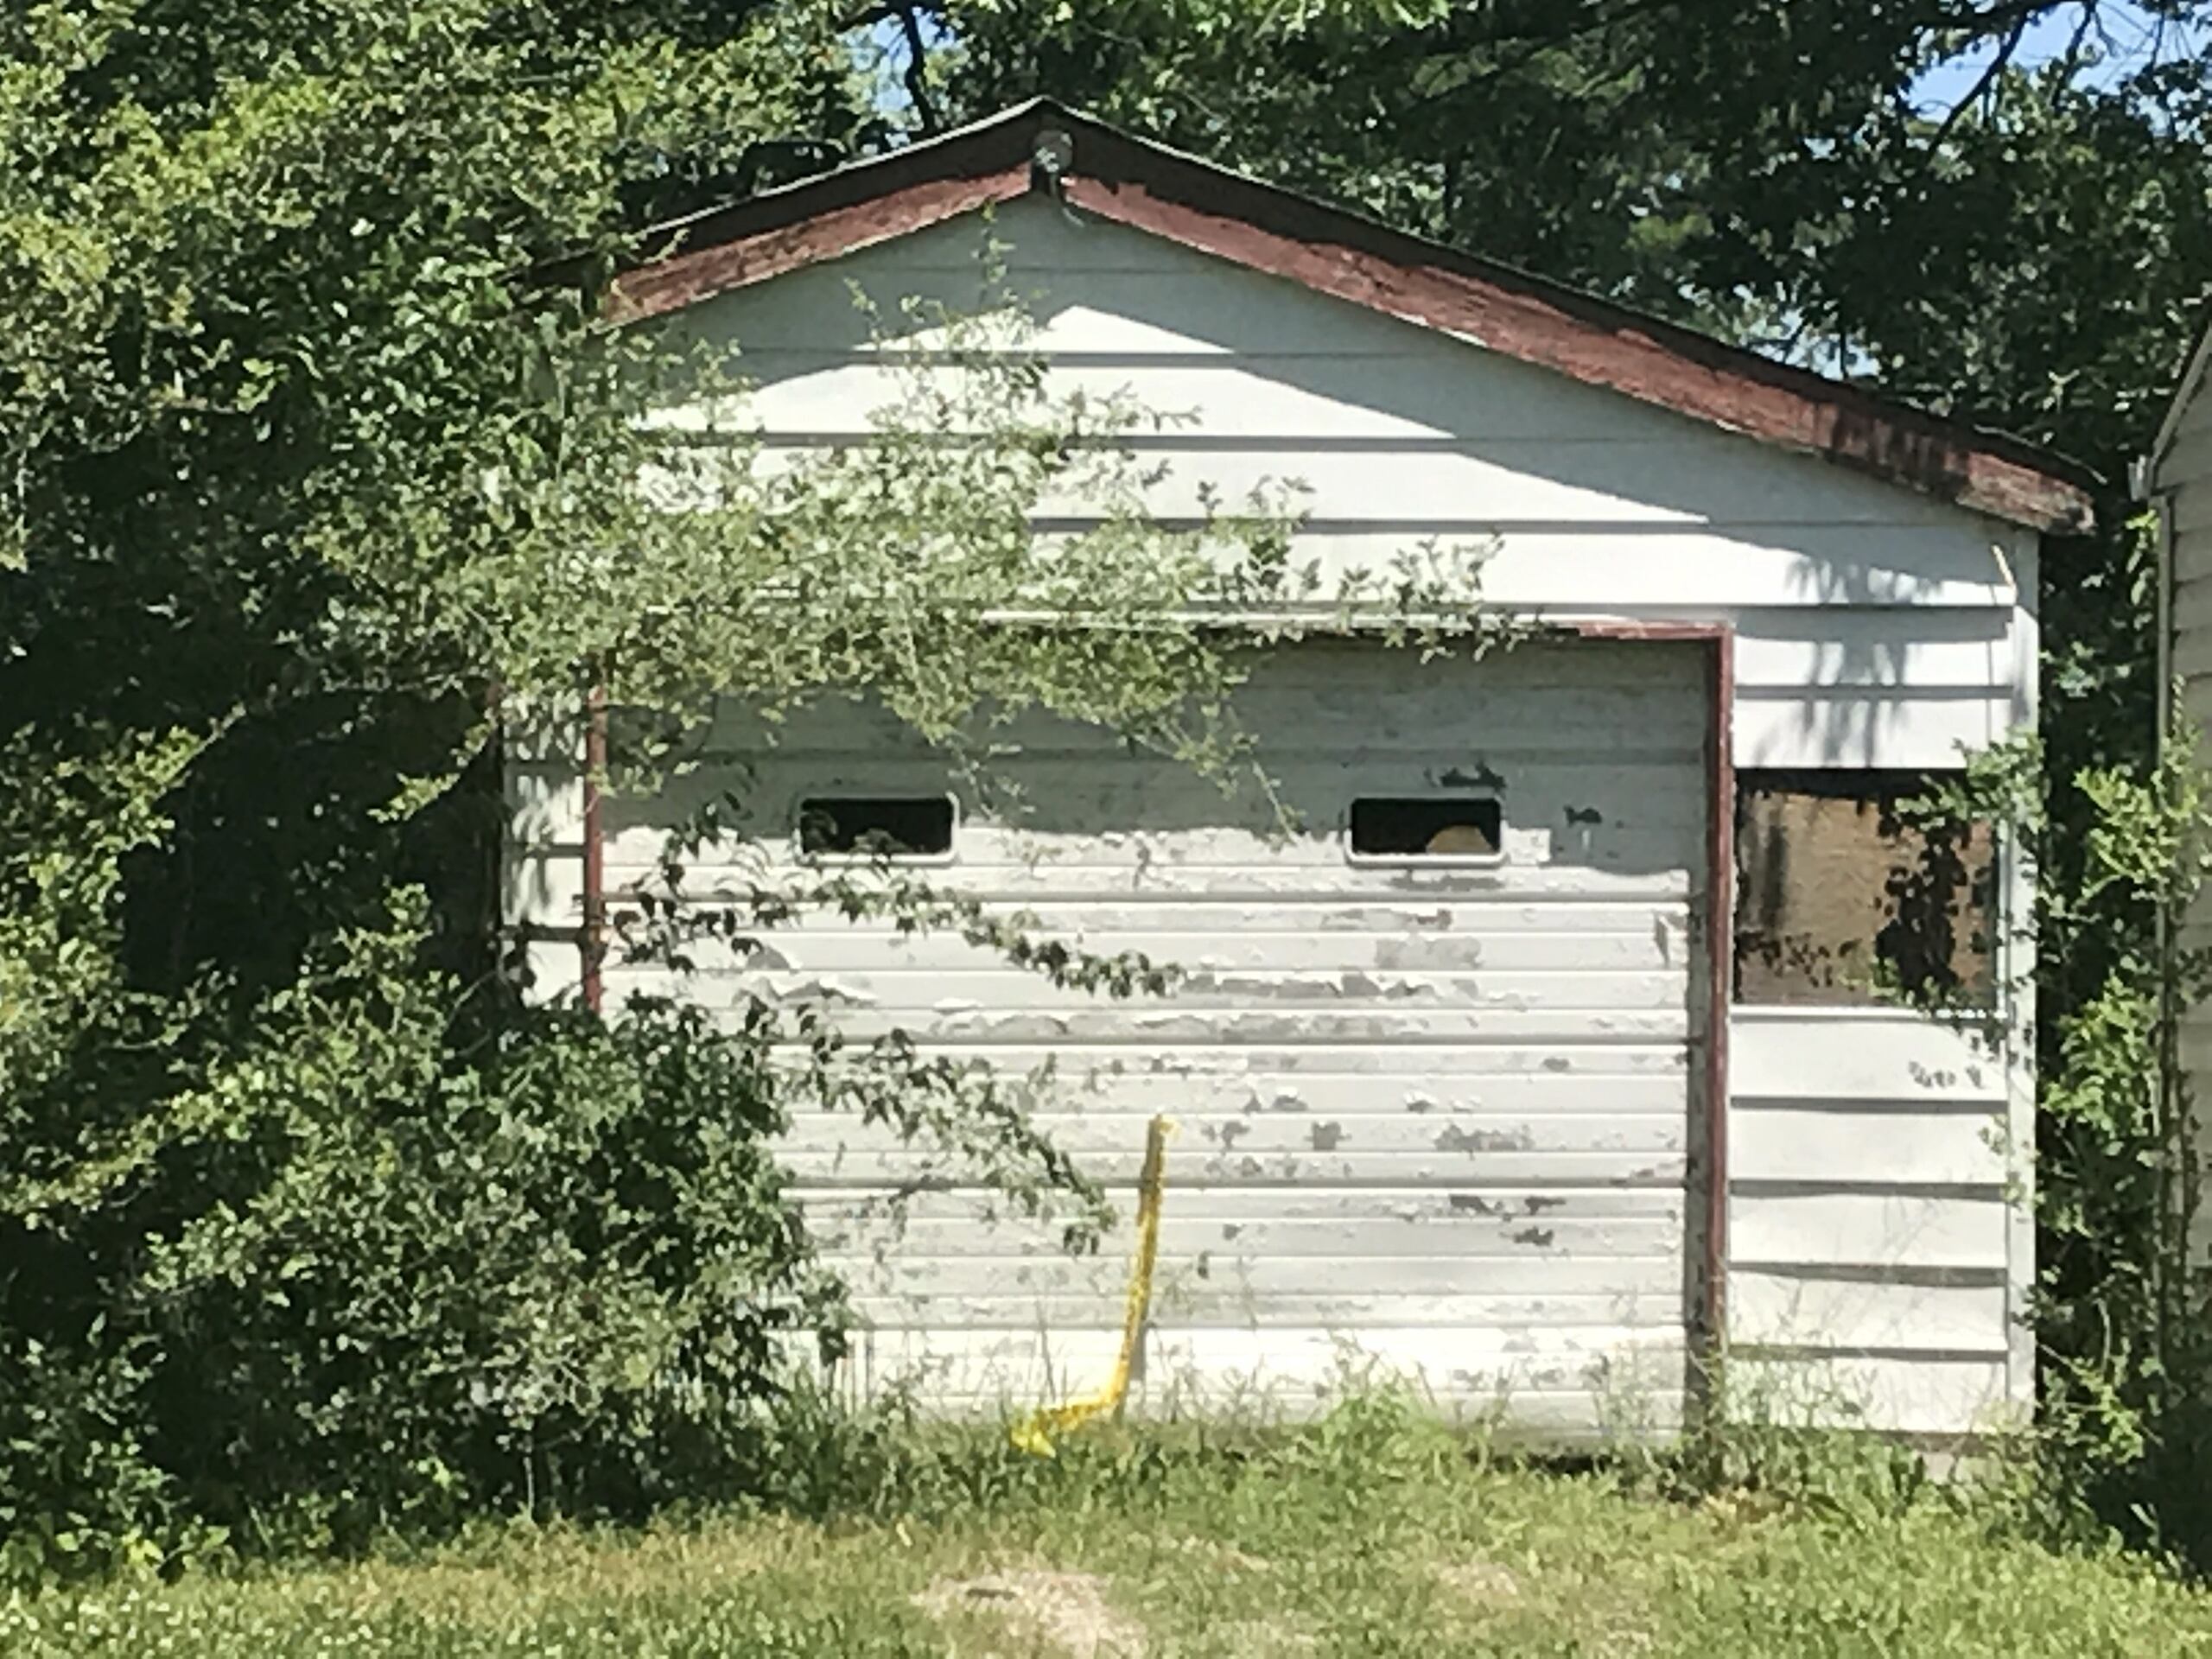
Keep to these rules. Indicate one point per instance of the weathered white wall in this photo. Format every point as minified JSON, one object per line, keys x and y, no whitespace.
{"x":1872,"y":1247}
{"x":1872,"y":1244}
{"x":1439,"y":1114}
{"x":1877,"y":626}
{"x":2184,"y":486}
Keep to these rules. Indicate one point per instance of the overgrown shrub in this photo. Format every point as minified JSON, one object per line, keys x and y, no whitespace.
{"x":2121,"y":852}
{"x":377,"y":1266}
{"x":318,"y":450}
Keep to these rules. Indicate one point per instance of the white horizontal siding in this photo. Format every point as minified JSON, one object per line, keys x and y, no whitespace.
{"x":1526,"y":1119}
{"x":1195,"y":886}
{"x":1478,"y":1206}
{"x":1556,"y":1381}
{"x":1561,"y":1227}
{"x":1840,"y":1223}
{"x":1249,"y":397}
{"x":2185,"y":476}
{"x":1904,"y":729}
{"x":1902,"y":1142}
{"x":1301,"y":368}
{"x":1538,"y":1012}
{"x":1476,"y":987}
{"x":1867,"y":1056}
{"x":1838,"y":646}
{"x":1868,"y":1316}
{"x":1248,"y":938}
{"x":1233,"y":1285}
{"x":2192,"y":599}
{"x":1928,"y":1393}
{"x":1873,"y":1272}
{"x":2193,"y":1042}
{"x":1588,"y":500}
{"x":1446,"y":1101}
{"x":819,"y":1157}
{"x":1683,"y":479}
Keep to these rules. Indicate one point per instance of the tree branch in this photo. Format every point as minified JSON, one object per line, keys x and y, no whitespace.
{"x":1998,"y":64}
{"x":918,"y":84}
{"x":2073,"y":57}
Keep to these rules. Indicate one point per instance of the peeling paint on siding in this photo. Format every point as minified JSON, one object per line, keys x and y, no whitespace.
{"x":1360,"y":1052}
{"x":1480,"y":776}
{"x":1476,"y":1140}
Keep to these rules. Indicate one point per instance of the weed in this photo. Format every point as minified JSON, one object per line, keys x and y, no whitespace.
{"x":1373,"y":1529}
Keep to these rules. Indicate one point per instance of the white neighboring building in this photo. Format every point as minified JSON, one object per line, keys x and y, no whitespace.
{"x":2177,"y":477}
{"x":1537,"y":1061}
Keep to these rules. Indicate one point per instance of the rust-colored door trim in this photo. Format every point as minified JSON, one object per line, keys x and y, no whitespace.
{"x":1710,"y":1314}
{"x":591,"y":941}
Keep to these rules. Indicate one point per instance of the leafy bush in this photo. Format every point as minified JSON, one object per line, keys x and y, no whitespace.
{"x":375,"y":1268}
{"x":307,"y":1225}
{"x":2125,"y":1383}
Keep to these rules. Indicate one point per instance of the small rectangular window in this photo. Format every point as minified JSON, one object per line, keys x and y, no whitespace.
{"x":1840,"y":902}
{"x":876,"y":826}
{"x":1427,"y":827}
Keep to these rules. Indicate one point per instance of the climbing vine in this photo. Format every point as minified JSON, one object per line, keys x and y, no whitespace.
{"x":2120,"y":855}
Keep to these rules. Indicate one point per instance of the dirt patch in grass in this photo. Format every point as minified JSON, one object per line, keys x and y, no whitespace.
{"x":1479,"y":1584}
{"x":1067,"y":1612}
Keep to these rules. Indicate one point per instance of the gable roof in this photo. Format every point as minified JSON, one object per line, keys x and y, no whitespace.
{"x":1094,"y":169}
{"x":2193,"y":377}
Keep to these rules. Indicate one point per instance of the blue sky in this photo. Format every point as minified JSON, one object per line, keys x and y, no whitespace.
{"x":2123,"y":34}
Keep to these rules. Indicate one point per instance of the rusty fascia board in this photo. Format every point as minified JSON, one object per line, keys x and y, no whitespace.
{"x":1092,"y":168}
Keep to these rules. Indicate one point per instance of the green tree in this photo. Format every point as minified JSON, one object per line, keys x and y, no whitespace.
{"x":316,"y":451}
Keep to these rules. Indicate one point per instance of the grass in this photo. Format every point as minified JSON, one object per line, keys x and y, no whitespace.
{"x":1367,"y":1534}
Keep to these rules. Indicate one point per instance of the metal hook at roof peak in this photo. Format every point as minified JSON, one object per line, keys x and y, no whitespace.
{"x":1053,"y":153}
{"x":1050,"y":158}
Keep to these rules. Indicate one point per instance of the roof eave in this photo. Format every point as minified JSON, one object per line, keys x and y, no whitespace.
{"x":2192,"y":381}
{"x":1211,"y":210}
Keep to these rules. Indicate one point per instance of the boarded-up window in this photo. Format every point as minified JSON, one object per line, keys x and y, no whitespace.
{"x":1841,"y":901}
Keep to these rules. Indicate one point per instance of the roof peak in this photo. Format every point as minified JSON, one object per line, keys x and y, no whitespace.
{"x":1198,"y":203}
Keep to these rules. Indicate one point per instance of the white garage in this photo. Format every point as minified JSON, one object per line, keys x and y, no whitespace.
{"x":1433,"y":1058}
{"x":1511,"y":1053}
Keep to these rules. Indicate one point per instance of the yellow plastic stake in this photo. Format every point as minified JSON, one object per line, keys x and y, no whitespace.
{"x":1034,"y":1433}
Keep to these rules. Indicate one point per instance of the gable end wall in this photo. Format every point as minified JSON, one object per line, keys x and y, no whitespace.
{"x":1875,"y":1261}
